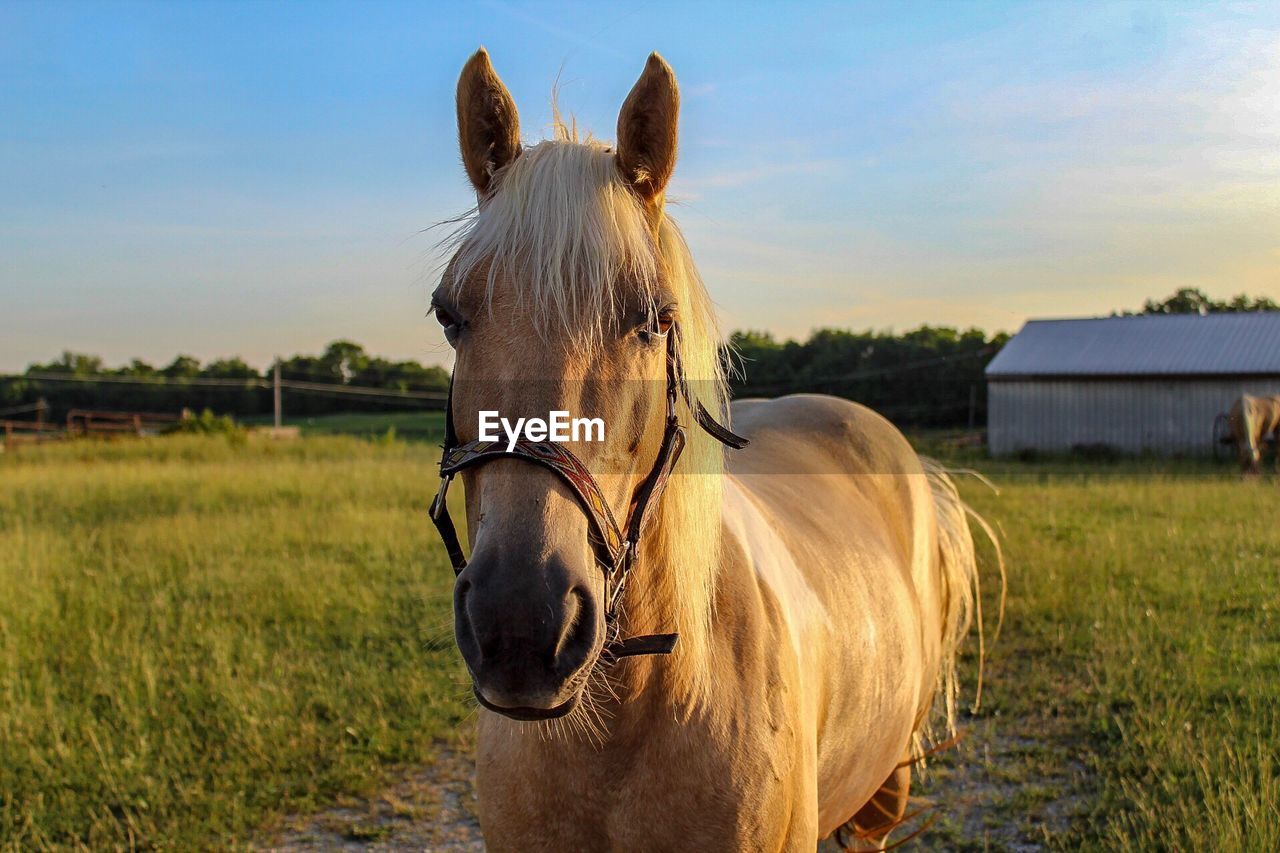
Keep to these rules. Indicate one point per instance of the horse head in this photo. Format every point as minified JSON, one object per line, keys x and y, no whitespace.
{"x":559,"y":298}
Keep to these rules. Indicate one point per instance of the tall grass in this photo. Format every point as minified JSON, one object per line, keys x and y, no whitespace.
{"x":196,"y":634}
{"x":1143,"y":622}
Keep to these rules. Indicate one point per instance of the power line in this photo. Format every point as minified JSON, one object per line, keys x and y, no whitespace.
{"x":415,"y":403}
{"x":340,"y":390}
{"x":362,"y":390}
{"x":17,"y":410}
{"x":868,"y":373}
{"x":172,"y":381}
{"x":246,"y":383}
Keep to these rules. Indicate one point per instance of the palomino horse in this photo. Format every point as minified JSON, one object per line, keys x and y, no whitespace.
{"x":1252,"y":419}
{"x":819,"y":583}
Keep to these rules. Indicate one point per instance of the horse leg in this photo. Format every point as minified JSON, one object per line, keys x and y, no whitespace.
{"x":1249,"y":459}
{"x":879,"y":815}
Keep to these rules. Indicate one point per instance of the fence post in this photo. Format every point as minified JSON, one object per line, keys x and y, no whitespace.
{"x":276,"y":392}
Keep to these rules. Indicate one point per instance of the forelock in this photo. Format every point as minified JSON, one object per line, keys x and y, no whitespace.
{"x":563,"y":236}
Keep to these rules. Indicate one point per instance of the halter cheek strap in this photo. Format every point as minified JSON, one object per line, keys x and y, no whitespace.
{"x":615,"y":546}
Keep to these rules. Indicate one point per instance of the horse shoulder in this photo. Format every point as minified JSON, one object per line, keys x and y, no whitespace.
{"x":839,"y":436}
{"x":882,"y":501}
{"x":838,"y":519}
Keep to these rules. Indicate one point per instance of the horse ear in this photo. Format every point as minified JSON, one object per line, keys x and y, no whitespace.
{"x":488,"y":124}
{"x":647,"y":130}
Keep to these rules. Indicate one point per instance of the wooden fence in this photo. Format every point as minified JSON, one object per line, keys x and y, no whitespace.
{"x":29,"y":432}
{"x":82,"y":422}
{"x":91,"y":424}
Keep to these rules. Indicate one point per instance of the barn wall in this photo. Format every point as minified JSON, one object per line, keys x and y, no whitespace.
{"x":1132,"y":415}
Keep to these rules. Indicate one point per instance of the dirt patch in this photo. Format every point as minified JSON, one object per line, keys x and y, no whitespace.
{"x":1002,"y":789}
{"x":998,"y":790}
{"x":432,"y":808}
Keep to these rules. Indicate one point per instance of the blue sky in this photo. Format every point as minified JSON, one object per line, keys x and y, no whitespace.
{"x":255,"y":178}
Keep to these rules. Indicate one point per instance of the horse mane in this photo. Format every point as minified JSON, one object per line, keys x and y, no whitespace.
{"x":562,"y":223}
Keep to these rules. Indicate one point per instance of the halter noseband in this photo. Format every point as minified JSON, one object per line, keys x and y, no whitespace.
{"x":615,"y":545}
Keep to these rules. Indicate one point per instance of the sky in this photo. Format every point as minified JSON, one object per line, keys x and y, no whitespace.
{"x":253,"y":179}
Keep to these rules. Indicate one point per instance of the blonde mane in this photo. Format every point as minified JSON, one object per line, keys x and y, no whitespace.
{"x":562,"y":222}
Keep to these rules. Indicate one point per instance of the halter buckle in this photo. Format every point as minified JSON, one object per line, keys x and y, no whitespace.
{"x":621,"y":569}
{"x":438,"y":504}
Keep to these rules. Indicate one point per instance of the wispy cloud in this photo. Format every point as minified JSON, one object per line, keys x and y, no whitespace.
{"x":692,"y":186}
{"x":588,"y":41}
{"x":864,"y":165}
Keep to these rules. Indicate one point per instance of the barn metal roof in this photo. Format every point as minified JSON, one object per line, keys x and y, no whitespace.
{"x":1148,"y":344}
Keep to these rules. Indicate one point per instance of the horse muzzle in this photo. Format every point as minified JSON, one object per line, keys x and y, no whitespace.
{"x":529,"y":635}
{"x":527,"y":715}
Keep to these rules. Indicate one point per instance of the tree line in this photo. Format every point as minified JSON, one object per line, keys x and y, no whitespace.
{"x":931,"y":376}
{"x":1191,"y":300}
{"x":927,"y":377}
{"x":921,"y":377}
{"x":226,"y":386}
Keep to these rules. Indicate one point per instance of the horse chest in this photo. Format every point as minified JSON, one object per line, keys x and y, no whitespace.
{"x":681,"y":787}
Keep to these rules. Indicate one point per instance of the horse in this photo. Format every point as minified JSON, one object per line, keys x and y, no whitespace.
{"x":1252,"y":419}
{"x":794,"y":606}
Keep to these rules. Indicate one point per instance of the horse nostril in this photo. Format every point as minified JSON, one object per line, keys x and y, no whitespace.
{"x":460,"y":593}
{"x":464,"y":626}
{"x":578,"y":637}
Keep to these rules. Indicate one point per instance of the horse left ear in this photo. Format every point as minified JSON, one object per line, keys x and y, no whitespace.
{"x":647,"y":131}
{"x":488,"y":123}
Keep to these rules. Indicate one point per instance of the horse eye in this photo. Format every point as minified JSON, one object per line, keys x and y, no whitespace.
{"x":451,"y":325}
{"x":659,"y":324}
{"x":666,"y":318}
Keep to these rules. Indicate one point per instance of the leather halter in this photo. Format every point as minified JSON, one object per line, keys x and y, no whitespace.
{"x":615,"y":545}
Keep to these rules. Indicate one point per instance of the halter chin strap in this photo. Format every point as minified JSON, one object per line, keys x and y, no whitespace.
{"x":615,"y":545}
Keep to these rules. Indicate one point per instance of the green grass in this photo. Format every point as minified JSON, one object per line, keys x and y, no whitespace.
{"x":200,"y":634}
{"x":196,"y":635}
{"x":413,"y":426}
{"x":1141,"y":654}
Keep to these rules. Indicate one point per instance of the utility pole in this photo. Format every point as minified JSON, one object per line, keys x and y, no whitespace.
{"x":275,"y":388}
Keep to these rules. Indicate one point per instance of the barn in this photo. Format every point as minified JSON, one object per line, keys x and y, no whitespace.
{"x":1137,"y":384}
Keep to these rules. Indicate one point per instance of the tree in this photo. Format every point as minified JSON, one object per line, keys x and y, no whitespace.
{"x":1192,"y":300}
{"x":229,"y":368}
{"x":923,"y":377}
{"x":138,"y":367}
{"x":75,"y":363}
{"x":1240,"y":302}
{"x":183,"y":367}
{"x":344,"y":359}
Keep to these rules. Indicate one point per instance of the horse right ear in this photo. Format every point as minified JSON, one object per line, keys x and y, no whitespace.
{"x":647,"y":131}
{"x":488,"y":124}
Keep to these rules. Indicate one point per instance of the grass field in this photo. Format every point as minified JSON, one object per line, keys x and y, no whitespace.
{"x":198,"y":635}
{"x":410,"y":426}
{"x":1139,"y":661}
